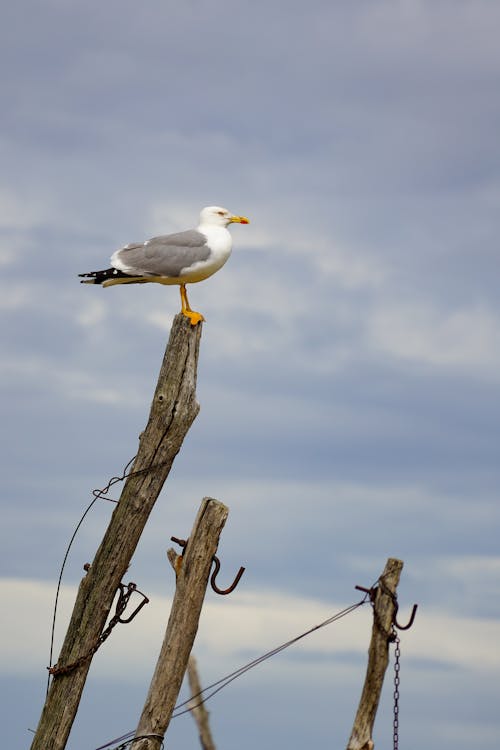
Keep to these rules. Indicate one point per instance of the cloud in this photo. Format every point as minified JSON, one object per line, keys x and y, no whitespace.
{"x":466,"y":339}
{"x":22,"y":211}
{"x":348,"y":368}
{"x":235,"y":631}
{"x":70,"y":383}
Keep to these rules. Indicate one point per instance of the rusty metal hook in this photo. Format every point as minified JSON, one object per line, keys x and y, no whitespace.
{"x":215,"y":572}
{"x":181,"y":542}
{"x":222,"y":592}
{"x":410,"y":621}
{"x":125,"y":595}
{"x":371,"y":593}
{"x":368,"y":592}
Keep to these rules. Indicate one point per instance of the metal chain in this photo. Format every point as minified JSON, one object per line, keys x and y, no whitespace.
{"x":397,"y":667}
{"x":124,"y":594}
{"x":392,"y":637}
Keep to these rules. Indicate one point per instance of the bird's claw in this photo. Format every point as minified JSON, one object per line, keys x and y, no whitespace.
{"x":194,"y":317}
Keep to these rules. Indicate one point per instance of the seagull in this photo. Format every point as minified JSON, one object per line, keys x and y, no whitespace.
{"x":181,"y":258}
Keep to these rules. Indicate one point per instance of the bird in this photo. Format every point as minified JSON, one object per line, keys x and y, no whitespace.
{"x":180,"y":258}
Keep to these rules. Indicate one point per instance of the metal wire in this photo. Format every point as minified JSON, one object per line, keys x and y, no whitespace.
{"x":128,"y":742}
{"x":124,"y":594}
{"x":98,"y":494}
{"x":215,"y":687}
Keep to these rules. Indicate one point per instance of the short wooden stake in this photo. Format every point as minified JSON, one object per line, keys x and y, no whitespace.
{"x":193,"y":570}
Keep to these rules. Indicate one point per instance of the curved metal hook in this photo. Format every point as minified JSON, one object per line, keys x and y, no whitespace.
{"x":371,"y":593}
{"x":222,"y":592}
{"x":131,"y":587}
{"x":215,"y":572}
{"x":410,"y":621}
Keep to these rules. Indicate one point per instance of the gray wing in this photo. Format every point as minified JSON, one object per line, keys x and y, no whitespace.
{"x":163,"y":256}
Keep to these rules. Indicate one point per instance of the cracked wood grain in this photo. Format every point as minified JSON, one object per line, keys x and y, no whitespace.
{"x":378,"y":657}
{"x":173,"y":410}
{"x":192,"y":573}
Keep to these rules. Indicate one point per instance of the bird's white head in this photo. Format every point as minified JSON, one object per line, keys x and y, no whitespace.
{"x":218,"y":216}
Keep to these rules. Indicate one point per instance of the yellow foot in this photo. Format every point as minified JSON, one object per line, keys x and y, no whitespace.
{"x":194,"y":317}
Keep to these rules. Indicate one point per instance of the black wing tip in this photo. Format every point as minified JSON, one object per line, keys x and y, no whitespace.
{"x":89,"y":278}
{"x":98,"y":277}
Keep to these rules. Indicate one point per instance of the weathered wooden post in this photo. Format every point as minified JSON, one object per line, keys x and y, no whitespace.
{"x":193,"y":570}
{"x":384,"y":610}
{"x":173,"y":410}
{"x":197,"y":706}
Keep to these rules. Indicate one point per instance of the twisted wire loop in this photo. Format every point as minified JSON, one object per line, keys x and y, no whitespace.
{"x":127,"y":743}
{"x":395,"y":625}
{"x":390,"y":635}
{"x":371,"y":593}
{"x":125,"y":592}
{"x":98,"y":494}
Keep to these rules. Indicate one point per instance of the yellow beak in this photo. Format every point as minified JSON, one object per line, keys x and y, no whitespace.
{"x":239,"y":220}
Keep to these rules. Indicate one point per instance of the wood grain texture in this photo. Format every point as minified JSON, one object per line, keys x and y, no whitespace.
{"x":173,"y":410}
{"x":191,"y":583}
{"x":378,"y":657}
{"x":197,"y":706}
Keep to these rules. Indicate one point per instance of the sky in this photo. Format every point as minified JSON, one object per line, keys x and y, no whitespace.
{"x":349,"y":365}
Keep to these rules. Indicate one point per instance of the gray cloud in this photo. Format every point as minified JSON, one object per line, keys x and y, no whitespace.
{"x":349,"y":363}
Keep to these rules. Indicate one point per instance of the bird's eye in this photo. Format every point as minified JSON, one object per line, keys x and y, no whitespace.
{"x":221,"y":213}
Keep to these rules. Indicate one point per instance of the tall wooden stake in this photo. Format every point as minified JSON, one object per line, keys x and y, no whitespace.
{"x":193,"y":570}
{"x":197,"y":706}
{"x":378,"y":657}
{"x":173,"y":410}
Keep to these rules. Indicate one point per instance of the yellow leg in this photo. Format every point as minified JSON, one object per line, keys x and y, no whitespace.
{"x":194,"y":317}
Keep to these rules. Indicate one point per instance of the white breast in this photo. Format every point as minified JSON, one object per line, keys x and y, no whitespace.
{"x":220,"y":242}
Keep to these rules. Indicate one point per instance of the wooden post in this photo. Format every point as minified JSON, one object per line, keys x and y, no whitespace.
{"x":193,"y":570}
{"x":378,"y":657}
{"x":197,"y":706}
{"x":173,"y":410}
